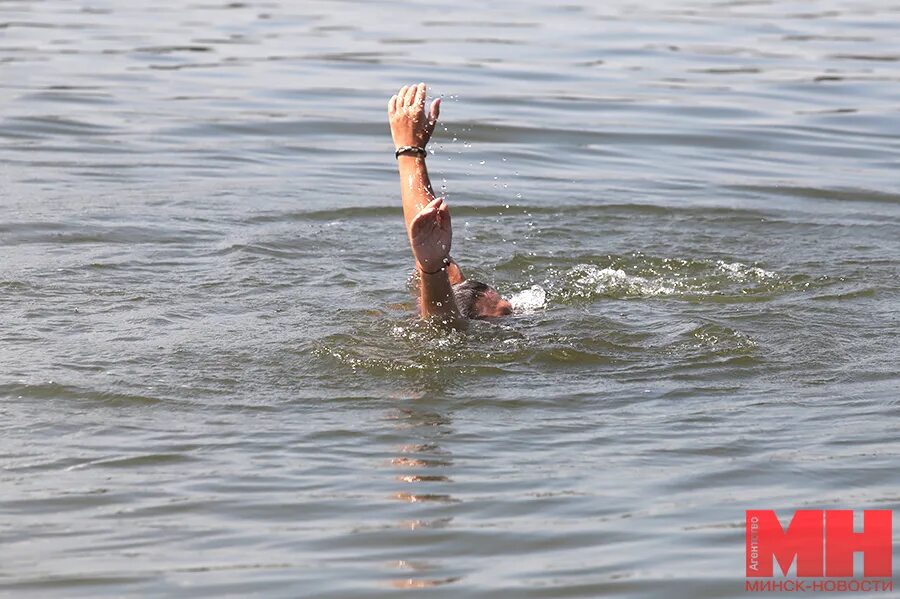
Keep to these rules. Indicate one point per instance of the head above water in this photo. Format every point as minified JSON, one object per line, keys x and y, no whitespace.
{"x":479,"y":300}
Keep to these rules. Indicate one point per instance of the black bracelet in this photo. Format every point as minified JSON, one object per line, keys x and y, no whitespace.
{"x":417,"y":150}
{"x":446,"y":263}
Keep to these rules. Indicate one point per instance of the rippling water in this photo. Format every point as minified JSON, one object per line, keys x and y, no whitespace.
{"x":212,"y":379}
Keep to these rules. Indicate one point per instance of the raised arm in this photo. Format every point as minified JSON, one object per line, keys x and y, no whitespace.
{"x":410,"y":127}
{"x":427,"y":219}
{"x":430,"y":234}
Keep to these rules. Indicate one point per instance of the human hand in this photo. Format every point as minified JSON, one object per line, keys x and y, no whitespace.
{"x":430,"y":235}
{"x":406,"y":112}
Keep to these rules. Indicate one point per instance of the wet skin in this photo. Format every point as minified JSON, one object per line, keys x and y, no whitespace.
{"x":428,"y":223}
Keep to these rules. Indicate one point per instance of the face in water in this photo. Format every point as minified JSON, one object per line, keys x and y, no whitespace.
{"x":491,"y":305}
{"x":479,"y":300}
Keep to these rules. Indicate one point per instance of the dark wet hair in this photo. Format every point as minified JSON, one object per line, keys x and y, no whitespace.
{"x":467,"y":293}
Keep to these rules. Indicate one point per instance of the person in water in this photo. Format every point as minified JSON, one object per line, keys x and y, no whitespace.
{"x":443,"y":290}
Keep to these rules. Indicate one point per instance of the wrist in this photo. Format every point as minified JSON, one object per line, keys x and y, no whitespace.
{"x":410,"y":161}
{"x":411,"y":150}
{"x":433,"y":267}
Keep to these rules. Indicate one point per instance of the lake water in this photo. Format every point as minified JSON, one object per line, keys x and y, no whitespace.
{"x":213,"y":382}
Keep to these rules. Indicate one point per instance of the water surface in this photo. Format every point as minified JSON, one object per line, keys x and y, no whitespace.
{"x":213,"y":383}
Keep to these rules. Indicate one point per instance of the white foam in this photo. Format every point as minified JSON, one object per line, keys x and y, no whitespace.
{"x":740,"y":271}
{"x":530,"y":300}
{"x":591,"y":279}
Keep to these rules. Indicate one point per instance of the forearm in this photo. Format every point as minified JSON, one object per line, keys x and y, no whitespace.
{"x":415,"y":186}
{"x":427,"y":218}
{"x":436,"y":295}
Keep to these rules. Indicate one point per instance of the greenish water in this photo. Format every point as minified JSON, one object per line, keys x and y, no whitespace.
{"x":213,"y":382}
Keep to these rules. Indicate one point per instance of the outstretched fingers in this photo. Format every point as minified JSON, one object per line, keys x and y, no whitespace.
{"x":438,"y":205}
{"x":433,"y":115}
{"x":411,"y":95}
{"x":435,"y":110}
{"x":420,"y":95}
{"x":437,"y":212}
{"x":414,"y":95}
{"x":429,"y":212}
{"x":392,"y":104}
{"x":443,"y":214}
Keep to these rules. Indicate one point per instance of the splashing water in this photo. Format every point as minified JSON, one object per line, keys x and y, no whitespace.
{"x":590,"y":280}
{"x":529,"y":301}
{"x":637,"y":276}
